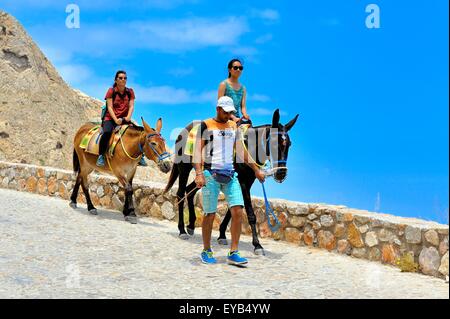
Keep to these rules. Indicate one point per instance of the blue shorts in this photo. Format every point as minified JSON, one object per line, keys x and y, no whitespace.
{"x":210,"y":193}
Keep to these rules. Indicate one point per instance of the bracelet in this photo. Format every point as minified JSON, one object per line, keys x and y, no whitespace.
{"x":198,"y":174}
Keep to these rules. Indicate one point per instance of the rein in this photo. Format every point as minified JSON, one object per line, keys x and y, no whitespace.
{"x":269,"y":212}
{"x":160,"y":157}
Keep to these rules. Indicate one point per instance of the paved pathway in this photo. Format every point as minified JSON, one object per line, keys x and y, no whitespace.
{"x":48,"y":250}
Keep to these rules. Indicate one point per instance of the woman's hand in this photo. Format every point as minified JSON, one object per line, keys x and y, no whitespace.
{"x":119,"y":121}
{"x":245,"y":116}
{"x":128,"y":119}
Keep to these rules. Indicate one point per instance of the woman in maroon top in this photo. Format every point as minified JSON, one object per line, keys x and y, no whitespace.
{"x":120,"y":104}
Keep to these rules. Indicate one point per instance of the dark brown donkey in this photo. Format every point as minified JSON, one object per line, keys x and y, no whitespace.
{"x":135,"y":142}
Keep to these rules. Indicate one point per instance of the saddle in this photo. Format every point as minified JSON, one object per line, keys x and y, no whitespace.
{"x":190,"y":143}
{"x":91,"y":141}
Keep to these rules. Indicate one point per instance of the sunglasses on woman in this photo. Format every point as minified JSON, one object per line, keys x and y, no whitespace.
{"x":238,"y":68}
{"x":122,"y":78}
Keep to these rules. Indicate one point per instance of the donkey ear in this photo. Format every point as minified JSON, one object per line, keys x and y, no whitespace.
{"x":159,"y":125}
{"x":146,"y":127}
{"x":276,"y":118}
{"x":291,"y":123}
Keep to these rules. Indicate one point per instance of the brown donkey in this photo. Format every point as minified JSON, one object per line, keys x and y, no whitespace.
{"x":135,"y":142}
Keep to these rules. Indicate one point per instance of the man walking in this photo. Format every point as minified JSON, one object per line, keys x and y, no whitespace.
{"x":217,"y":141}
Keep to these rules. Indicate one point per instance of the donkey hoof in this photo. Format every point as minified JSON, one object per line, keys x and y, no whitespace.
{"x":260,"y":252}
{"x":131,"y":219}
{"x":93,"y":211}
{"x":190,"y":231}
{"x":222,"y":241}
{"x":183,"y":236}
{"x":73,"y":205}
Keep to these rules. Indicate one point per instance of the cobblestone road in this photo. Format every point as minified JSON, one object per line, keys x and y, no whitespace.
{"x":48,"y":250}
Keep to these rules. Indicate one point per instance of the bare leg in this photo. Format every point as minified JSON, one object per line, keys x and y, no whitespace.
{"x":236,"y":224}
{"x":207,"y":224}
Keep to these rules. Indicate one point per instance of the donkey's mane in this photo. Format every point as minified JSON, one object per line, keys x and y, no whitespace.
{"x":260,"y":126}
{"x":137,"y":128}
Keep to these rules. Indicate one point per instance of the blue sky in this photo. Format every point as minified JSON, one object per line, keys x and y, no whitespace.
{"x":373,"y":103}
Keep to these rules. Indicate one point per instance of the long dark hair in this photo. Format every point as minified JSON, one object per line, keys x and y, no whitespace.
{"x":117,"y":75}
{"x":230,"y":65}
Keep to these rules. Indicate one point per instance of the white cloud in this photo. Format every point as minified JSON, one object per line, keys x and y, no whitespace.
{"x":74,"y":74}
{"x":258,"y":98}
{"x":181,"y":72}
{"x":268,"y":15}
{"x":264,"y":111}
{"x":264,"y":38}
{"x":246,"y":51}
{"x":172,"y":36}
{"x":189,"y":34}
{"x":377,"y":203}
{"x":261,"y":111}
{"x":173,"y":96}
{"x":56,"y":55}
{"x":103,"y":5}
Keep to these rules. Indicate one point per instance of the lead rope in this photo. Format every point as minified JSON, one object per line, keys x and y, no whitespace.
{"x":269,"y":211}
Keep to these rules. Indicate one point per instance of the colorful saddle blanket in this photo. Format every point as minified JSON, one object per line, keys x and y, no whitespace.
{"x":190,"y":143}
{"x":91,"y":141}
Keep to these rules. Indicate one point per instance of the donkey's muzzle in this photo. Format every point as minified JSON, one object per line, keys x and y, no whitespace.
{"x":280,"y":174}
{"x":165,"y":166}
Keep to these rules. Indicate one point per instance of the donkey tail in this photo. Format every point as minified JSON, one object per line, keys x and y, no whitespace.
{"x":76,"y":162}
{"x":173,"y":177}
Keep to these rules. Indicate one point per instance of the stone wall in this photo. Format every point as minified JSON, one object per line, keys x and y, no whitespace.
{"x":409,"y":243}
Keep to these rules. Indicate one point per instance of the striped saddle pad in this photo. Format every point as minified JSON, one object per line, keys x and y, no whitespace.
{"x":91,"y":141}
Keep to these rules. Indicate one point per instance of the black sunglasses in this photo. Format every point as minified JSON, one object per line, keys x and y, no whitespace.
{"x":122,"y":78}
{"x":238,"y":68}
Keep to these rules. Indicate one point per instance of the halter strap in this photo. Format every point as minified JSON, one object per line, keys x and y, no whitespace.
{"x":161,"y":156}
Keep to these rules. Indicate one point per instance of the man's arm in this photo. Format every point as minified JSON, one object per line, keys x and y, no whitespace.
{"x":198,"y":159}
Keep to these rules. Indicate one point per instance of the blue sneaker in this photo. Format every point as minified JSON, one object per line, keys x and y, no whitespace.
{"x":142,"y":162}
{"x":234,"y":258}
{"x":207,"y":257}
{"x":101,"y":160}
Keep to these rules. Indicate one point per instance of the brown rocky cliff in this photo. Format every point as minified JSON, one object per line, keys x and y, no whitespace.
{"x":39,"y":112}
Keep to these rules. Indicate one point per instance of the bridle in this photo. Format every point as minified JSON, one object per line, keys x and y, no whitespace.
{"x":283,"y":160}
{"x":161,"y":157}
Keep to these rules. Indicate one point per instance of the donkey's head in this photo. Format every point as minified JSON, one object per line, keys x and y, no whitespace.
{"x":155,"y":147}
{"x":278,"y":143}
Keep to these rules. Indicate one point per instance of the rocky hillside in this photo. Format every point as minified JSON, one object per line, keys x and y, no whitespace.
{"x":39,"y":112}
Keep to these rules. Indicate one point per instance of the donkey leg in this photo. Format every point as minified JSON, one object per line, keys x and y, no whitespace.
{"x":85,"y":187}
{"x":128,"y":207}
{"x":183,"y":178}
{"x":73,"y":197}
{"x":192,"y":217}
{"x":222,"y":240}
{"x":259,"y":250}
